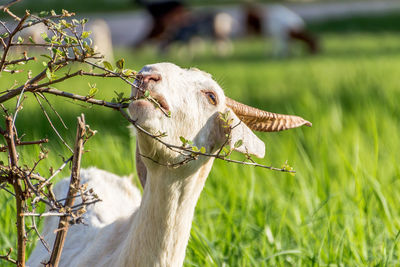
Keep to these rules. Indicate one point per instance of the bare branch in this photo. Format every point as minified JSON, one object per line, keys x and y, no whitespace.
{"x":112,"y":72}
{"x":25,"y":143}
{"x":44,"y":243}
{"x":5,"y":27}
{"x":73,"y":188}
{"x":8,"y":258}
{"x":17,"y":28}
{"x":5,"y":189}
{"x":20,"y":203}
{"x":45,"y":214}
{"x":47,"y":181}
{"x":86,"y":99}
{"x":12,"y":2}
{"x":190,"y":151}
{"x":12,"y":62}
{"x":43,"y":45}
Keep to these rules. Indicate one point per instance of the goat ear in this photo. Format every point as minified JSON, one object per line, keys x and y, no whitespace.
{"x":242,"y":138}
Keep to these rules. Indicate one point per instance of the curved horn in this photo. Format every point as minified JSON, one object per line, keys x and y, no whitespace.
{"x":264,"y":121}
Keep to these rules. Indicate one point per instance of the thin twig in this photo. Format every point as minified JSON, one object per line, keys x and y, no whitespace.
{"x":45,"y":214}
{"x":5,"y":189}
{"x":25,"y":143}
{"x":43,"y":45}
{"x":44,"y":243}
{"x":12,"y":62}
{"x":54,"y":110}
{"x":12,"y":2}
{"x":112,"y":72}
{"x":189,"y":150}
{"x":86,"y":99}
{"x":5,"y":27}
{"x":8,"y":258}
{"x":17,"y":28}
{"x":47,"y":181}
{"x":51,"y":124}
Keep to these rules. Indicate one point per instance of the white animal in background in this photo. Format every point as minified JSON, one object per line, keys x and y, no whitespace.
{"x":101,"y":36}
{"x":284,"y":25}
{"x":124,"y":231}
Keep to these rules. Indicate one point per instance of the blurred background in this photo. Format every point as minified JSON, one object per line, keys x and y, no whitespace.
{"x":288,"y":27}
{"x":335,"y":63}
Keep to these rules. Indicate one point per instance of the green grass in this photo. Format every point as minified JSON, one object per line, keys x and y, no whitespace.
{"x":341,"y":207}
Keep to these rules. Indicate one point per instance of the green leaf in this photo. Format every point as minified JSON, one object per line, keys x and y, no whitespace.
{"x":128,"y":72}
{"x":238,"y":143}
{"x":93,"y":91}
{"x":65,"y":23}
{"x":107,"y":65}
{"x":183,"y":140}
{"x":4,"y":35}
{"x":83,"y":21}
{"x":45,"y":37}
{"x":20,"y":40}
{"x":86,"y":34}
{"x":203,"y":149}
{"x":120,"y":63}
{"x":53,"y":13}
{"x":226,"y":150}
{"x":147,"y":93}
{"x":31,"y":40}
{"x":47,"y":56}
{"x":195,"y":149}
{"x":49,"y":74}
{"x":92,"y":85}
{"x":43,"y":14}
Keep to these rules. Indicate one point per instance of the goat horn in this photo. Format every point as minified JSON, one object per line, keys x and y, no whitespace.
{"x":264,"y":121}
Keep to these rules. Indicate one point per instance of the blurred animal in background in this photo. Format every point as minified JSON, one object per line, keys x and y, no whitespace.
{"x":281,"y":24}
{"x":30,"y":35}
{"x":101,"y":37}
{"x":174,"y":22}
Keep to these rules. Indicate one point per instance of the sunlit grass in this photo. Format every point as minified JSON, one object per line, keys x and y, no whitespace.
{"x":340,"y":208}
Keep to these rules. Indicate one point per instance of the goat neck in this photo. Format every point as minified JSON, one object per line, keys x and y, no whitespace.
{"x":161,"y":228}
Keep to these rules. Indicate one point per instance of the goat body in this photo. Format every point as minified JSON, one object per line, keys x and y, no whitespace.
{"x":123,"y":230}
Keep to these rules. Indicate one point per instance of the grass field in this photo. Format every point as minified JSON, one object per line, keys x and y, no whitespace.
{"x":342,"y":206}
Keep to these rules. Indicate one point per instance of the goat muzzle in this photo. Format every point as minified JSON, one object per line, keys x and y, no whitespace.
{"x":264,"y":121}
{"x":146,"y":78}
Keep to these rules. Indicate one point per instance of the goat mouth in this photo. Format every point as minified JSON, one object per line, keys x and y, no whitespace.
{"x":156,"y":99}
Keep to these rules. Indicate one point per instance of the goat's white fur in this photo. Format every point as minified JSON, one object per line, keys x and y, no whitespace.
{"x":155,"y":234}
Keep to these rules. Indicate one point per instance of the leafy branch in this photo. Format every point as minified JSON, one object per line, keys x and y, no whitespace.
{"x":68,"y":46}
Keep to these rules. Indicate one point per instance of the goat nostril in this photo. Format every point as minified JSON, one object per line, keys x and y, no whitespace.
{"x":151,"y":77}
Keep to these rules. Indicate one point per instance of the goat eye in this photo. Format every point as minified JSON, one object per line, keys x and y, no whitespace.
{"x":211,"y":98}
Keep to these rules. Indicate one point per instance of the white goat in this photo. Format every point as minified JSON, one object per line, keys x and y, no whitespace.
{"x":124,"y":231}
